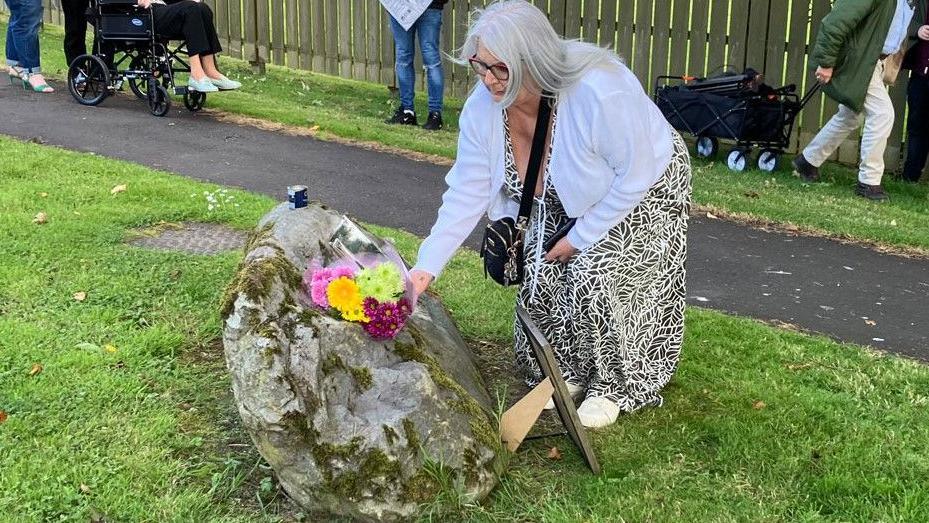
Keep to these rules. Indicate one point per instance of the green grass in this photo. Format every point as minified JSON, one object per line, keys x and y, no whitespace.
{"x":355,"y":110}
{"x":148,"y":427}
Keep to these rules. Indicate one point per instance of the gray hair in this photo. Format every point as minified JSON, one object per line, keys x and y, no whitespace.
{"x":517,"y":32}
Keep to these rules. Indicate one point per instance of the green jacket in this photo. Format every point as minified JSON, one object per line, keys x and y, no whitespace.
{"x":850,"y":40}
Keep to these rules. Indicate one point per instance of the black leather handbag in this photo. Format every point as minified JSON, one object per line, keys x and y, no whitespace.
{"x":502,"y":247}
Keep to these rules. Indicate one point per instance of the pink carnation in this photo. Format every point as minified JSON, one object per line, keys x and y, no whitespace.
{"x":321,"y":278}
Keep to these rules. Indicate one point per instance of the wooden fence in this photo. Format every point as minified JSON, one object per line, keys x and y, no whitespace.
{"x":352,"y":39}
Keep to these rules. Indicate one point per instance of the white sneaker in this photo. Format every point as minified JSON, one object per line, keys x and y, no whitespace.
{"x":203,"y":85}
{"x":597,"y":412}
{"x":224,"y":84}
{"x":573,"y":390}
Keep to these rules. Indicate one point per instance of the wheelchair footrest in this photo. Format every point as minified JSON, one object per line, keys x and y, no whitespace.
{"x":180,"y":90}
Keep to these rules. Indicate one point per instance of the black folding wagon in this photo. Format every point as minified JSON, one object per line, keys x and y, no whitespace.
{"x":737,"y":107}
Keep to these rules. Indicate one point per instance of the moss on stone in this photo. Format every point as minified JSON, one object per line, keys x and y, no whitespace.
{"x":254,"y":280}
{"x":257,"y":237}
{"x":363,"y":378}
{"x":298,"y":424}
{"x":412,"y":435}
{"x":420,"y":488}
{"x":331,"y":363}
{"x":479,"y":419}
{"x":390,"y":435}
{"x":307,"y":317}
{"x":374,"y":465}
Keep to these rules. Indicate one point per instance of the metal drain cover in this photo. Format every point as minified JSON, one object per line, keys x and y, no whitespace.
{"x":195,"y":238}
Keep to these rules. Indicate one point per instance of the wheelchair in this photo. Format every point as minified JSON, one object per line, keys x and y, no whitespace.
{"x":126,"y":50}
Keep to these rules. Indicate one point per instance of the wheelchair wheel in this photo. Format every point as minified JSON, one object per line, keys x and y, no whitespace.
{"x":139,"y":85}
{"x":159,"y":103}
{"x":88,"y":80}
{"x":706,"y":146}
{"x":194,"y":100}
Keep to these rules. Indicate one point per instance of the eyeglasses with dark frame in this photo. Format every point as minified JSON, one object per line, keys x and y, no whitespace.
{"x":499,"y":70}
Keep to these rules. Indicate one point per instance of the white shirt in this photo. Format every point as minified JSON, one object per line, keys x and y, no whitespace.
{"x":899,"y":27}
{"x":610,"y":146}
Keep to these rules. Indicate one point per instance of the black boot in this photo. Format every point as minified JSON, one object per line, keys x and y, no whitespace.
{"x":805,"y":169}
{"x":434,"y":122}
{"x":402,"y":117}
{"x":872,"y":192}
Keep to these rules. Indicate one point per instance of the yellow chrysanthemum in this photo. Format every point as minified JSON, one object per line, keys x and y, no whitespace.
{"x":356,"y":314}
{"x":343,"y":294}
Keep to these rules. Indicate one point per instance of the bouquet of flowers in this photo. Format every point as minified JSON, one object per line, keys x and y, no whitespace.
{"x":362,"y":279}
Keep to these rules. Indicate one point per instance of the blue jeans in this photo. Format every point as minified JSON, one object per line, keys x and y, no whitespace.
{"x":22,"y":34}
{"x":427,"y":28}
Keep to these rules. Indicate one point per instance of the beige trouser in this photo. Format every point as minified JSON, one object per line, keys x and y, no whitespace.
{"x":878,"y":121}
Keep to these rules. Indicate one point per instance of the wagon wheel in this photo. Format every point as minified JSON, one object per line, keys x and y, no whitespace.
{"x":706,"y":146}
{"x":768,"y":159}
{"x":737,"y":160}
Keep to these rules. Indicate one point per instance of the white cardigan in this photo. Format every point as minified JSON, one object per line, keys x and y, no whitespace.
{"x":611,"y":144}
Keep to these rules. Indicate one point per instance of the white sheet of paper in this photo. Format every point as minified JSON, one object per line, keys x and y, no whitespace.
{"x":406,"y":11}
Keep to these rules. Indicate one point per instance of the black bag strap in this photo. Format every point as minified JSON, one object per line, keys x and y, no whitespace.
{"x":539,"y":138}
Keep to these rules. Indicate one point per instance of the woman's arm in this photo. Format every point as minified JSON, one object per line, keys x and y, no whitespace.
{"x":622,"y":135}
{"x":465,"y":200}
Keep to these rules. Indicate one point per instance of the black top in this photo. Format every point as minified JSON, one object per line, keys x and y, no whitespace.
{"x":437,"y":4}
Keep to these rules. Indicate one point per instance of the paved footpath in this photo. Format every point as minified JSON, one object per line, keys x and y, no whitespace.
{"x":846,"y":292}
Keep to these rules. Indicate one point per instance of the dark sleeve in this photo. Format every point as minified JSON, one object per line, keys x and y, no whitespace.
{"x":836,"y":27}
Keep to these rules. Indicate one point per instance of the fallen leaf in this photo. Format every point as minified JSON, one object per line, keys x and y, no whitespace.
{"x":43,"y":194}
{"x":40,"y":218}
{"x":80,"y":296}
{"x":554,"y":453}
{"x":893,"y":223}
{"x":314,"y":128}
{"x":118,"y":189}
{"x":870,"y":322}
{"x":758,"y":405}
{"x":109,"y":348}
{"x":711,"y":216}
{"x":2,"y":416}
{"x":36,"y":369}
{"x":85,"y":489}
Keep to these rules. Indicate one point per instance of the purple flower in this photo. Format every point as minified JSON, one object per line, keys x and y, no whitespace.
{"x":387,"y":318}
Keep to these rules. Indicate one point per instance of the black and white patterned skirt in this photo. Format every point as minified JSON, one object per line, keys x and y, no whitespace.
{"x":614,"y":314}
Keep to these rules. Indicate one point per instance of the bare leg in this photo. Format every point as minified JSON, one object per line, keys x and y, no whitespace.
{"x":196,"y":66}
{"x":209,"y":67}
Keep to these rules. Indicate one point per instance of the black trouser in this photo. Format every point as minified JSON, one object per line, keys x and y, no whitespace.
{"x":190,"y":21}
{"x":917,"y":125}
{"x":75,"y":28}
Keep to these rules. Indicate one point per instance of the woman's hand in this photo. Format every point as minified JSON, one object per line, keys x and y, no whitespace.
{"x":923,"y":32}
{"x":421,"y":281}
{"x":824,"y":74}
{"x":562,"y":251}
{"x":144,"y":4}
